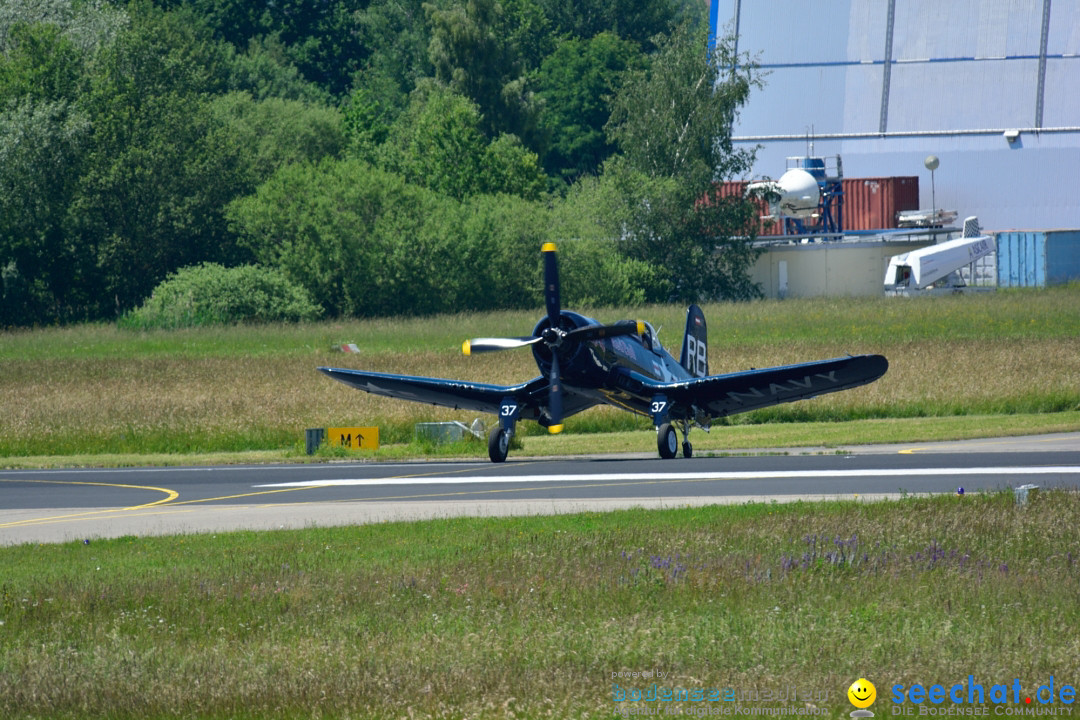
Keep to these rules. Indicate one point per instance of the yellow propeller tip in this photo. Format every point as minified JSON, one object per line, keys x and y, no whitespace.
{"x":466,"y":347}
{"x":555,"y":429}
{"x":547,"y":247}
{"x":641,"y":327}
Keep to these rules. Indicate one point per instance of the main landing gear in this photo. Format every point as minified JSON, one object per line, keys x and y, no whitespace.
{"x":500,"y":437}
{"x":667,"y":441}
{"x":499,"y":444}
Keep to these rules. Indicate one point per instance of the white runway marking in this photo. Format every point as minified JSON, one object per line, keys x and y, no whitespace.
{"x":632,"y":477}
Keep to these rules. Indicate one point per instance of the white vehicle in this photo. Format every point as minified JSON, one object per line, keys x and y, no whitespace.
{"x":921,"y":269}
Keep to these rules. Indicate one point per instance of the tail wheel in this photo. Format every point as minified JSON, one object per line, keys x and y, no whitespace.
{"x":498,"y":444}
{"x":667,"y":442}
{"x":687,"y":449}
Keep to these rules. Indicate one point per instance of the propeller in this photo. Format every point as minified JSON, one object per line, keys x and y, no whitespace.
{"x":553,"y":336}
{"x":551,"y":284}
{"x":483,"y":345}
{"x":555,"y":396}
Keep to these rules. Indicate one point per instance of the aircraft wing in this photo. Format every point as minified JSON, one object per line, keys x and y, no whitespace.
{"x":532,"y":396}
{"x":721,"y":395}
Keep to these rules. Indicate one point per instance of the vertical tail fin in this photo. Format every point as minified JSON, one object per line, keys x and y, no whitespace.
{"x":695,"y":357}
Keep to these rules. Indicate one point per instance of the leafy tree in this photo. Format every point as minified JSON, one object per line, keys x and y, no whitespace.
{"x":47,"y":274}
{"x":366,"y":122}
{"x":510,"y":167}
{"x":49,"y":271}
{"x":274,"y":132}
{"x":582,"y":225}
{"x":320,"y":38}
{"x":575,"y":83}
{"x":500,"y":241}
{"x":126,"y":132}
{"x":366,"y":243}
{"x":672,"y":122}
{"x":264,"y":71}
{"x":471,"y":55}
{"x":396,"y":36}
{"x":636,"y":20}
{"x":437,"y":143}
{"x":88,"y":24}
{"x":40,"y":64}
{"x":361,"y":240}
{"x":673,"y":118}
{"x":154,"y":204}
{"x":530,"y":32}
{"x":161,"y":166}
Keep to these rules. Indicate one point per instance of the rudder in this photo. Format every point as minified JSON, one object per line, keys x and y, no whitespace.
{"x":695,"y":352}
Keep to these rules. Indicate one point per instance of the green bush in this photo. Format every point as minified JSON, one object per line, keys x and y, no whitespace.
{"x":210,"y":294}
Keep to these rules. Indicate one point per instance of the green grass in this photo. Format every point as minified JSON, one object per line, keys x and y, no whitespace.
{"x":96,"y":390}
{"x":529,"y":617}
{"x":812,"y":437}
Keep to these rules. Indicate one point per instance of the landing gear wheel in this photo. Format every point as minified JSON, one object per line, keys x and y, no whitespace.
{"x":498,"y":445}
{"x":667,"y":442}
{"x":687,"y":449}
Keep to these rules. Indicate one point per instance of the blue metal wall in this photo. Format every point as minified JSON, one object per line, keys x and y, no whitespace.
{"x":1037,"y":259}
{"x":884,"y":83}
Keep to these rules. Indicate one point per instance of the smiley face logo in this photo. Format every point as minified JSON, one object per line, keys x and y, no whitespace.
{"x":862,"y":693}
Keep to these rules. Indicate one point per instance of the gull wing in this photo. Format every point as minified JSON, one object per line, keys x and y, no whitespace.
{"x":721,"y":395}
{"x":531,"y":396}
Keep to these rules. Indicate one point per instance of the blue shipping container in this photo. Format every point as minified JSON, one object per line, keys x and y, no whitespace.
{"x":1037,"y":258}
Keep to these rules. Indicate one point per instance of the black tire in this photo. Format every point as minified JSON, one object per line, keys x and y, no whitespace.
{"x":498,"y":445}
{"x":667,"y":442}
{"x":687,"y":449}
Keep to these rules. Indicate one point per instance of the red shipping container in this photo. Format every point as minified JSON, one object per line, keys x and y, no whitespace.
{"x":737,"y":188}
{"x":869,"y":203}
{"x":872,"y":203}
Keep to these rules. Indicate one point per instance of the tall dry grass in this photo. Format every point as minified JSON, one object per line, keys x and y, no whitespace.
{"x":95,"y":389}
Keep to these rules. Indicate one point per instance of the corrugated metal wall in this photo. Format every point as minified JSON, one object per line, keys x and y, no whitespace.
{"x":1037,"y":259}
{"x":1021,"y":259}
{"x":1063,"y":256}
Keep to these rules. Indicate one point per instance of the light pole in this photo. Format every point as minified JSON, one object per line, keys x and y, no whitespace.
{"x":931,"y":162}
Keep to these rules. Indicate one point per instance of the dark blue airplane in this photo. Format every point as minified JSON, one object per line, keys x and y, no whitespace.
{"x":583,"y":363}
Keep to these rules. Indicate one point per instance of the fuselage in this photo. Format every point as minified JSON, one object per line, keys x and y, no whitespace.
{"x":604,"y":369}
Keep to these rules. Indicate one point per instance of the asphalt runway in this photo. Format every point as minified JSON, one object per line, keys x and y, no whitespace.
{"x":79,"y":504}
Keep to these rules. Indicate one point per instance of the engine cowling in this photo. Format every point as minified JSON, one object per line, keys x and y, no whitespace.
{"x":569,"y":352}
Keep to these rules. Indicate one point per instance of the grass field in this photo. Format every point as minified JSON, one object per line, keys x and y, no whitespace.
{"x":97,"y":391}
{"x":533,"y":617}
{"x":544,"y":617}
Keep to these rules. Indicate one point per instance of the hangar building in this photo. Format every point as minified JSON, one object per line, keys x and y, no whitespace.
{"x":991,"y":87}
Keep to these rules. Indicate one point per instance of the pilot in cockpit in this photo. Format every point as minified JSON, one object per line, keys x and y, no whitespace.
{"x":649,"y":339}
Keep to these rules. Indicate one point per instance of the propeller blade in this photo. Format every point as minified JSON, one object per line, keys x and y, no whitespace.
{"x":555,"y":396}
{"x":595,"y":332}
{"x":551,"y":284}
{"x":483,"y":345}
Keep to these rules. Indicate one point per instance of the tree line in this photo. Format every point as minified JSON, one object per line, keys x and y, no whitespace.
{"x":387,"y":156}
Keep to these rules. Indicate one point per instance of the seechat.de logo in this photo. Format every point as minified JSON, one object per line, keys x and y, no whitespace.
{"x":862,"y":695}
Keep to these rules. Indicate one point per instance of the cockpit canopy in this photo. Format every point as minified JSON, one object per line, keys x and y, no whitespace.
{"x":649,"y":339}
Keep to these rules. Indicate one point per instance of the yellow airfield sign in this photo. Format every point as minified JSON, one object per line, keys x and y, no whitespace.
{"x":354,"y":438}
